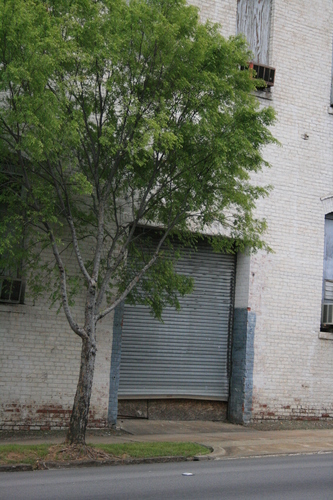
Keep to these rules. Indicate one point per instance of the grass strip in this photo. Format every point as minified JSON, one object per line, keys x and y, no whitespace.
{"x":30,"y":454}
{"x":23,"y":453}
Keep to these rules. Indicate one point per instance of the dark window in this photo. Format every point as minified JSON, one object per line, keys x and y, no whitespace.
{"x":11,"y":290}
{"x":12,"y":284}
{"x":327,"y":293}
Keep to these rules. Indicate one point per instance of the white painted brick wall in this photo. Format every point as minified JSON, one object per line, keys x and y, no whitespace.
{"x":219,"y":11}
{"x":293,"y":368}
{"x":40,"y":360}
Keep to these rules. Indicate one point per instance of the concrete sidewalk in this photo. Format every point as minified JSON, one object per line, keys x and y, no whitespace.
{"x":231,"y":441}
{"x":227,"y":440}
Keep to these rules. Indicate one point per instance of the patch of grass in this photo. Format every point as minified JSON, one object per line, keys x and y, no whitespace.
{"x":30,"y":454}
{"x":148,"y":450}
{"x":23,"y":453}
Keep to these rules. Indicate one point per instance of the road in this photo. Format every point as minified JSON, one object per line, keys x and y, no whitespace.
{"x":290,"y":477}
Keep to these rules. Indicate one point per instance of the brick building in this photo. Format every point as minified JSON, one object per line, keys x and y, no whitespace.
{"x":277,"y":356}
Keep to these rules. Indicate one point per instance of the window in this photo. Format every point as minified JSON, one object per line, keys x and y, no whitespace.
{"x":254,"y":21}
{"x":11,"y":290}
{"x":327,"y":293}
{"x":12,"y":285}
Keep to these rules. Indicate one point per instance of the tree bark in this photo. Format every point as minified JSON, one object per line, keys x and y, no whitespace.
{"x":79,"y":418}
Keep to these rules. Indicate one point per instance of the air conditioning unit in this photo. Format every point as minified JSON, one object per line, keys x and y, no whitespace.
{"x":11,"y":290}
{"x":266,"y":73}
{"x":327,"y":314}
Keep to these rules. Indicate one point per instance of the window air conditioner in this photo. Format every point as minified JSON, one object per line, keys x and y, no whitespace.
{"x":266,"y":73}
{"x":327,"y":314}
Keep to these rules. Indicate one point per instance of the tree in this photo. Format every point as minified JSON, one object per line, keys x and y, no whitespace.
{"x":115,"y":116}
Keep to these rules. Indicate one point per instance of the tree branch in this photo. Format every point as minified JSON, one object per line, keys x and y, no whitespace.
{"x":134,"y":282}
{"x":71,"y":224}
{"x":74,"y":326}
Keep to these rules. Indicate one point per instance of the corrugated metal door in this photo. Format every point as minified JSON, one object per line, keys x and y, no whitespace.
{"x":187,"y":355}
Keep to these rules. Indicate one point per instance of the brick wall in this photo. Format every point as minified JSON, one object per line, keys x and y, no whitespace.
{"x":40,"y":360}
{"x":219,"y":11}
{"x":292,"y":367}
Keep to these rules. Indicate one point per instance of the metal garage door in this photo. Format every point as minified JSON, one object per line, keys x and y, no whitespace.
{"x":187,"y":355}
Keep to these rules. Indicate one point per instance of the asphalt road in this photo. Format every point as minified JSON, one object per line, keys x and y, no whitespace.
{"x":291,"y":477}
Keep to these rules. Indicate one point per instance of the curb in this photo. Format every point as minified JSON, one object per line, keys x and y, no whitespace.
{"x":16,"y":468}
{"x":100,"y":463}
{"x":73,"y":464}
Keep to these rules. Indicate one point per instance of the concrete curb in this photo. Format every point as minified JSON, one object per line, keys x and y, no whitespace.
{"x":101,"y":463}
{"x":73,"y":464}
{"x":16,"y":468}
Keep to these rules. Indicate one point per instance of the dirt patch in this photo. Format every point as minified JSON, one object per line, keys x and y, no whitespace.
{"x":15,"y":457}
{"x":76,"y":452}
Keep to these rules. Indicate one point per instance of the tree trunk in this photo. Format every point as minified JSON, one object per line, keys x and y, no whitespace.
{"x":79,"y":418}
